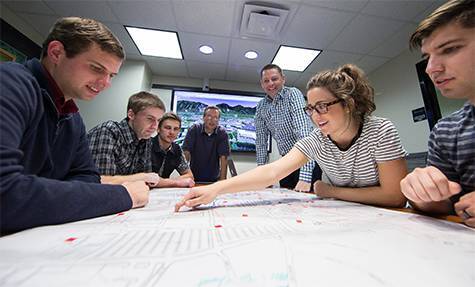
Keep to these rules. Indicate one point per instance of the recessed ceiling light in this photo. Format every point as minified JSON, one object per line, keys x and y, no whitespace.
{"x":251,"y":55}
{"x":205,"y":49}
{"x":294,"y":59}
{"x":156,"y":43}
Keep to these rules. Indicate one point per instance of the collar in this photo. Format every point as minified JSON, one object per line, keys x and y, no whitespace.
{"x":64,"y":107}
{"x":129,"y":133}
{"x":203,"y":129}
{"x":278,"y":96}
{"x":158,"y":148}
{"x":360,"y":130}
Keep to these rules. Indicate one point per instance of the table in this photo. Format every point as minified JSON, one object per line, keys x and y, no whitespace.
{"x":274,"y":237}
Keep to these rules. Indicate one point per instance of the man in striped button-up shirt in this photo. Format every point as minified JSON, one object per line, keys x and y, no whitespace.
{"x":281,"y":115}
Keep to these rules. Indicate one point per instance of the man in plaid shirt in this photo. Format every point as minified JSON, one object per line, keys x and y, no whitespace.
{"x":281,"y":115}
{"x":122,"y":150}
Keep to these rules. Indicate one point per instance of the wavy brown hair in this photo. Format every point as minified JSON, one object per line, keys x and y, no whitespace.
{"x":142,"y":100}
{"x":455,"y":11}
{"x":169,"y":116}
{"x":349,"y":84}
{"x":78,"y":34}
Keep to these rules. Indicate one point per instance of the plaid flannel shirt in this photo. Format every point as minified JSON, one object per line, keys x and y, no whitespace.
{"x":116,"y":150}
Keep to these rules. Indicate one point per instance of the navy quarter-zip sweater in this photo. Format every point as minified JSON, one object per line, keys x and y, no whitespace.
{"x":47,"y":175}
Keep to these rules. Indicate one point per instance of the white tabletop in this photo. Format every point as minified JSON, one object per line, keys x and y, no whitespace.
{"x":266,"y":238}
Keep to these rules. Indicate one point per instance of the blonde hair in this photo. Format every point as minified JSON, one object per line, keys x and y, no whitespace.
{"x":142,"y":100}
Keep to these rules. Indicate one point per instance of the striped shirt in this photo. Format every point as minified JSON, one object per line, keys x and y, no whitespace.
{"x":358,"y":165}
{"x":285,"y":120}
{"x":452,"y":147}
{"x":116,"y":150}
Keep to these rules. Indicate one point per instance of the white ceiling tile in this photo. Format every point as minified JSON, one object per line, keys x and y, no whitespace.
{"x":145,"y":14}
{"x":98,"y":10}
{"x":211,"y":17}
{"x":315,"y":27}
{"x":346,"y":5}
{"x":41,"y":23}
{"x":37,"y":7}
{"x":291,"y":77}
{"x":167,"y":67}
{"x":206,"y":70}
{"x":330,"y":60}
{"x":328,"y":25}
{"x":365,"y":33}
{"x":401,"y":10}
{"x":395,"y":45}
{"x":265,"y":51}
{"x":435,"y":4}
{"x":240,"y":73}
{"x":370,"y":63}
{"x":121,"y":33}
{"x":327,"y":60}
{"x":190,"y":44}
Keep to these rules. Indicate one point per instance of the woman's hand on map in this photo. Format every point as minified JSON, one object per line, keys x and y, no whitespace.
{"x":197,"y":196}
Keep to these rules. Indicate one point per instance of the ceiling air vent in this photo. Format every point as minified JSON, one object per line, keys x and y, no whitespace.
{"x":262,"y":21}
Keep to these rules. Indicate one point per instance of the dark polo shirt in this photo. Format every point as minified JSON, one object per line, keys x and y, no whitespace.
{"x":165,"y":162}
{"x":205,"y":151}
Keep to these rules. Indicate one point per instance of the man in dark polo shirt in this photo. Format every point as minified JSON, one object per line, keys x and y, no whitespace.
{"x":206,"y":147}
{"x":167,"y":156}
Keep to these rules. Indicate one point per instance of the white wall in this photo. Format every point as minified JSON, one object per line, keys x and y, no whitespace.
{"x":134,"y":76}
{"x":397,"y":94}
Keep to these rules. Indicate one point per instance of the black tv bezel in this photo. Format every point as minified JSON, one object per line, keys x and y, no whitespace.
{"x":226,"y":92}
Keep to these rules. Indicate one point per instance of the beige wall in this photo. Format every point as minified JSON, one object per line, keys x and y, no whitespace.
{"x":112,"y":103}
{"x":397,"y":94}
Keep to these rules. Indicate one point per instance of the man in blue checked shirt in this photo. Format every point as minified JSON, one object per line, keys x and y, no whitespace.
{"x":281,"y":115}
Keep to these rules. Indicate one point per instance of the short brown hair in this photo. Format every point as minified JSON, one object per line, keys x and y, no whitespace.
{"x":142,"y":100}
{"x":270,"y":67}
{"x":78,"y":34}
{"x":169,"y":116}
{"x":211,"y":108}
{"x":460,"y":11}
{"x":349,"y":84}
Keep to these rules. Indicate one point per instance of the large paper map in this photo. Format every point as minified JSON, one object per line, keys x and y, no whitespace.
{"x":266,"y":238}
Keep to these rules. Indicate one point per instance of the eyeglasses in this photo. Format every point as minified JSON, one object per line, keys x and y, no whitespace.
{"x":321,"y":108}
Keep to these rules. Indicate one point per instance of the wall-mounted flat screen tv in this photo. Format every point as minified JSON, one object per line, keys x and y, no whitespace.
{"x":237,"y":114}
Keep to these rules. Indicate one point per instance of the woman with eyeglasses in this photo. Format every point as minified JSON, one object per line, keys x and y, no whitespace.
{"x":360,"y":155}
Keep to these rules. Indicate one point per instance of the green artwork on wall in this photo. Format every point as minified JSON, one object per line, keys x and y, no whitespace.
{"x":8,"y":53}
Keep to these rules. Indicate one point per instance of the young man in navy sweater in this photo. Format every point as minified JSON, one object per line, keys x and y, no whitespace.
{"x":47,"y":175}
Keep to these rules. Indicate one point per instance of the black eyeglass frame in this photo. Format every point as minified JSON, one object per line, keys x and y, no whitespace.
{"x":321,"y":108}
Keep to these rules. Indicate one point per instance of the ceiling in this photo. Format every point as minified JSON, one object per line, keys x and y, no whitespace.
{"x":365,"y":32}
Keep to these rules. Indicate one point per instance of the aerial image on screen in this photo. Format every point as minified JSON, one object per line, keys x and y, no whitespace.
{"x":237,"y":115}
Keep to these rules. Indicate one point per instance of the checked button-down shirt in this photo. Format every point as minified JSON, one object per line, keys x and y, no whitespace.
{"x":285,"y":120}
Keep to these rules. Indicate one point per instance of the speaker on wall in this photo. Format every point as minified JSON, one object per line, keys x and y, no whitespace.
{"x":429,"y":95}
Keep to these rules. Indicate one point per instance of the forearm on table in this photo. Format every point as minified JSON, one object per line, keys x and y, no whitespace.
{"x":119,"y":179}
{"x":374,"y":195}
